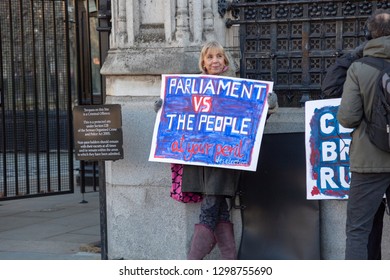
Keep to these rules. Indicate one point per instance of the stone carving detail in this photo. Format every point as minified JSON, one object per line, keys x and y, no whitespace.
{"x":283,"y":64}
{"x":282,"y":44}
{"x":251,"y":29}
{"x":296,"y":11}
{"x":208,"y":16}
{"x":315,"y":10}
{"x":250,"y":45}
{"x":349,"y":8}
{"x":383,"y":5}
{"x":222,"y":7}
{"x":283,"y":29}
{"x":182,"y":17}
{"x":250,"y":14}
{"x":282,"y":11}
{"x":330,"y":43}
{"x":122,"y":36}
{"x":265,"y":13}
{"x":365,"y":8}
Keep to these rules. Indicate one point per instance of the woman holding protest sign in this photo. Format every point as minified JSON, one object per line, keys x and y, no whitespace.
{"x":216,"y":184}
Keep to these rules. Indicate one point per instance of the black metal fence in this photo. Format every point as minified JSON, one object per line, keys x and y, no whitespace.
{"x":94,"y":27}
{"x":36,"y":149}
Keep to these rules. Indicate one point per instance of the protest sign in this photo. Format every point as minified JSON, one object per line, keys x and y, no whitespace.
{"x":211,"y":121}
{"x":327,"y":151}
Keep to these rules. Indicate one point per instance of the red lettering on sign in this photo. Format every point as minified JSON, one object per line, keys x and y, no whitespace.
{"x":201,"y":103}
{"x":228,"y":151}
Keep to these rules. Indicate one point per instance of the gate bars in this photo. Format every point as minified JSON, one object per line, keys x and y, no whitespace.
{"x":36,"y":149}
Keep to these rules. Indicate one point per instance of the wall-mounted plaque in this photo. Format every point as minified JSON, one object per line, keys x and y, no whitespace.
{"x":98,"y":132}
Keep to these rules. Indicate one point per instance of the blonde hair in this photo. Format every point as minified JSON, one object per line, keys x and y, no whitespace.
{"x":211,"y":46}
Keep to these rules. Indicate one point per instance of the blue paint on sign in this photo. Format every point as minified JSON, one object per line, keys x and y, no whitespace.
{"x":210,"y":119}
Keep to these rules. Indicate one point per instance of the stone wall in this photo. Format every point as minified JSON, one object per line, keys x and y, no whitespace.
{"x":150,"y":38}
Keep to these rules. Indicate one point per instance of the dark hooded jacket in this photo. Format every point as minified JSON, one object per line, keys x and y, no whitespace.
{"x":332,"y":85}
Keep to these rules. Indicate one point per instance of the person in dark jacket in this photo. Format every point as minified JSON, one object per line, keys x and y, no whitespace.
{"x":370,"y":166}
{"x":332,"y":87}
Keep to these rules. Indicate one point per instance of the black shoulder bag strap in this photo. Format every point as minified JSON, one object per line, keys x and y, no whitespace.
{"x":380,"y":64}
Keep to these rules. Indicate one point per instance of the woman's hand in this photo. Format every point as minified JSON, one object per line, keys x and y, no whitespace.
{"x":157,"y":105}
{"x":272,"y":100}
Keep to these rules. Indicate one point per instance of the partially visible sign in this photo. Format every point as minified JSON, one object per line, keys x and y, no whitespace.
{"x":98,"y":132}
{"x":327,"y":151}
{"x":211,"y":121}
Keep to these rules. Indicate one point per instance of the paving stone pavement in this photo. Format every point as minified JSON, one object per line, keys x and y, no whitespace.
{"x":59,"y":227}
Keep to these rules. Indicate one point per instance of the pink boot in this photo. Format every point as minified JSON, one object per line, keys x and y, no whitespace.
{"x":203,"y":242}
{"x":224,"y":235}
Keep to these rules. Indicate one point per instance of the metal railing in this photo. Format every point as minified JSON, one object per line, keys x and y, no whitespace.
{"x":36,"y":149}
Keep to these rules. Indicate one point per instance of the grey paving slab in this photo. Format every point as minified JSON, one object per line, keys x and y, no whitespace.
{"x":89,"y":230}
{"x":84,"y":219}
{"x":47,"y":256}
{"x":50,"y":228}
{"x":73,"y":237}
{"x":39,"y":231}
{"x":40,"y":246}
{"x":11,"y":222}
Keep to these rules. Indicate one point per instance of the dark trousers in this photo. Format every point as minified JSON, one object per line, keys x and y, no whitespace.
{"x":375,"y":238}
{"x":365,"y":196}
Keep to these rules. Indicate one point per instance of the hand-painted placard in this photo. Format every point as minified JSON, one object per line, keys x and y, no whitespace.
{"x":327,"y":151}
{"x":210,"y":121}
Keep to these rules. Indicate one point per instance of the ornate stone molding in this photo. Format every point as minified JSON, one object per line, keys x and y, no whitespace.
{"x":147,"y":32}
{"x":182,"y":21}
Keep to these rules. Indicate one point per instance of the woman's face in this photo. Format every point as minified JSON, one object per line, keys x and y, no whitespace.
{"x":214,"y":61}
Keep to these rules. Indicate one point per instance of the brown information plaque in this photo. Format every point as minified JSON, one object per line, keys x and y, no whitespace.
{"x":98,"y":132}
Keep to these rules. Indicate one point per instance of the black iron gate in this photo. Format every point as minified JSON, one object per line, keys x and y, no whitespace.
{"x":93,"y":32}
{"x":36,"y":146}
{"x":293,"y":42}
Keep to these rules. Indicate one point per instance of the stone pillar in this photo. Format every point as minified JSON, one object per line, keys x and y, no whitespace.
{"x":122,"y":27}
{"x":150,"y":38}
{"x":197,"y":21}
{"x":182,"y":22}
{"x":208,"y":20}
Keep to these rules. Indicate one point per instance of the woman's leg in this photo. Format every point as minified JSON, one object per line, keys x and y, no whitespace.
{"x":203,"y":240}
{"x":224,"y":233}
{"x":213,"y":208}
